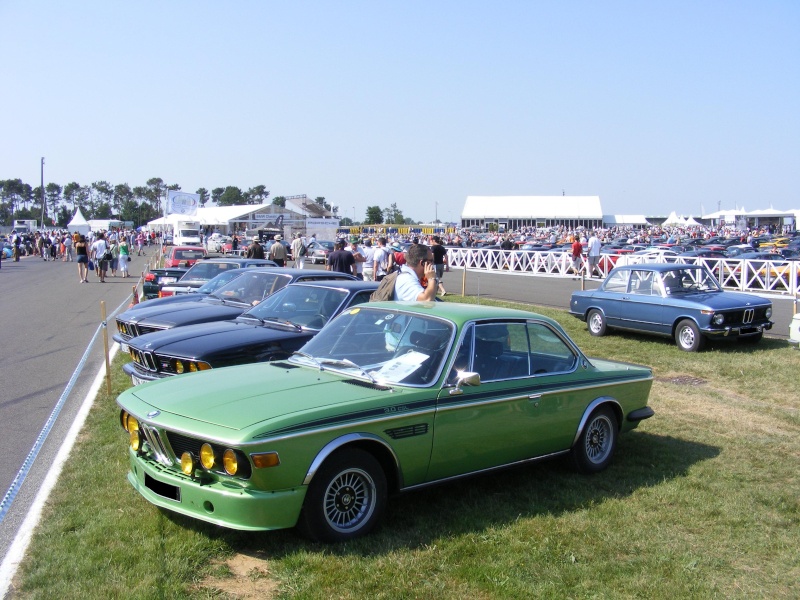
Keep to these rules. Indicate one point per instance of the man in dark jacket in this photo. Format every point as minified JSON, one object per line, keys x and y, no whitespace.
{"x":255,"y":250}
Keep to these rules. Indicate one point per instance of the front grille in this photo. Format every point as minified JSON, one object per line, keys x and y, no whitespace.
{"x":144,"y":360}
{"x":127,"y":329}
{"x":745,"y":316}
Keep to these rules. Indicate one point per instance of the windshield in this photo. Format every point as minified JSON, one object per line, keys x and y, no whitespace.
{"x":204,"y":271}
{"x":218,"y":281}
{"x":303,"y":305}
{"x":252,"y":286}
{"x":386,"y":346}
{"x":687,"y":279}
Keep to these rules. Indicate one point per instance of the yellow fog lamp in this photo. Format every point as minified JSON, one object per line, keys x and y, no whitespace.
{"x":266,"y":460}
{"x":136,"y":439}
{"x":199,"y":366}
{"x":179,"y":368}
{"x":207,"y":458}
{"x":230,"y":462}
{"x":188,"y":463}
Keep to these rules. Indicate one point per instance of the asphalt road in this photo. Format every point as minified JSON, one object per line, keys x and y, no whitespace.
{"x":47,"y":322}
{"x":49,"y":318}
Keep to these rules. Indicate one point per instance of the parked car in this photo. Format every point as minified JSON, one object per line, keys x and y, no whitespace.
{"x":272,"y":330}
{"x":317,"y":252}
{"x":227,"y":302}
{"x":183,"y":256}
{"x":388,"y":397}
{"x":156,"y":279}
{"x":650,"y":255}
{"x":682,"y":301}
{"x":209,"y":268}
{"x":198,"y":294}
{"x":218,"y":242}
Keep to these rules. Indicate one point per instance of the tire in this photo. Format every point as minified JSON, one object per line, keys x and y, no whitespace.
{"x":595,"y":447}
{"x":346,"y":497}
{"x":688,"y":337}
{"x":596,"y":322}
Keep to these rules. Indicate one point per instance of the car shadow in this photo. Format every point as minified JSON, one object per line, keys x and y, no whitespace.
{"x":415,"y":519}
{"x":728,"y":345}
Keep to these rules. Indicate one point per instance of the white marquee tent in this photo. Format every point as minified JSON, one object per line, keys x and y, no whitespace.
{"x":78,"y":223}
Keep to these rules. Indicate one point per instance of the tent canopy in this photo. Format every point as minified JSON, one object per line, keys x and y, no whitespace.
{"x":78,"y":223}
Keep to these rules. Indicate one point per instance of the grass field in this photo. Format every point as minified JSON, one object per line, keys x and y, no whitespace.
{"x":702,"y":501}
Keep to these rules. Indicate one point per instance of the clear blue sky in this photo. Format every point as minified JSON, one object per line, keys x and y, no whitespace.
{"x":653,"y":106}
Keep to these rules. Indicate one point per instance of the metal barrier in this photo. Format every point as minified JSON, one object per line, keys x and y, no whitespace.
{"x":780,"y":277}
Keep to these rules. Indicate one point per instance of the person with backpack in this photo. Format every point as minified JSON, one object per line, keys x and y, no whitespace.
{"x":380,"y":260}
{"x":299,"y":251}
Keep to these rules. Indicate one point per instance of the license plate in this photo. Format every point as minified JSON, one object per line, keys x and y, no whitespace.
{"x":165,"y":280}
{"x":124,"y":348}
{"x":136,"y":380}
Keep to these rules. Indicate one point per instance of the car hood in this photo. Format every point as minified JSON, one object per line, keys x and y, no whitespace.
{"x":196,"y":341}
{"x":191,"y":313}
{"x":720,"y":300}
{"x":263,"y":398}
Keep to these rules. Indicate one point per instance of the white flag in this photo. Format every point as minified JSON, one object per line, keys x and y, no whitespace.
{"x":182,"y":203}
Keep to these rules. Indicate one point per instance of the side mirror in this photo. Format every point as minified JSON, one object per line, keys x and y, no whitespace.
{"x":465,"y":378}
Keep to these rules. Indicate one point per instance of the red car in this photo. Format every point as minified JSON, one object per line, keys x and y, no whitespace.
{"x":183,"y":256}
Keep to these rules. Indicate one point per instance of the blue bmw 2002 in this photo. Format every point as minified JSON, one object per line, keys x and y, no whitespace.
{"x":675,"y":300}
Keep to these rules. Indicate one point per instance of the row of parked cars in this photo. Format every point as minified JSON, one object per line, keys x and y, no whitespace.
{"x":271,"y":398}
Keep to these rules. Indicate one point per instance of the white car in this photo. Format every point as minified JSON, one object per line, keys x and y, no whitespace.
{"x":794,"y":330}
{"x":216,"y":242}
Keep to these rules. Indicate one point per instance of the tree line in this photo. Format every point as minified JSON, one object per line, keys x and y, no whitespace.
{"x":139,"y":204}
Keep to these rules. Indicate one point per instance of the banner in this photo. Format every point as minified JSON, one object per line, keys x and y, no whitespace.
{"x":182,"y":203}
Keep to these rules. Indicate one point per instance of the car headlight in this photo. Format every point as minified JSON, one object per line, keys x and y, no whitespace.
{"x":230,"y":462}
{"x":182,"y":365}
{"x":207,"y":458}
{"x":768,"y":313}
{"x":718,"y":319}
{"x":187,"y":463}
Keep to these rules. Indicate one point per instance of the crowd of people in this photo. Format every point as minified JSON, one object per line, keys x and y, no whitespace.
{"x":104,"y":253}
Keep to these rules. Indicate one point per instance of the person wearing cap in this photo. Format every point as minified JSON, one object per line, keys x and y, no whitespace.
{"x":357,"y":256}
{"x":277,"y":251}
{"x":396,"y":257}
{"x":255,"y":250}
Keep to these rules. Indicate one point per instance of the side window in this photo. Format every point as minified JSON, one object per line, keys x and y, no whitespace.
{"x":463,"y":355}
{"x":501,"y":351}
{"x":617,"y":282}
{"x":360,"y":298}
{"x":549,"y":353}
{"x":641,"y":283}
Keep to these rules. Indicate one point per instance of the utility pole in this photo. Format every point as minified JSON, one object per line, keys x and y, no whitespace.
{"x":43,"y":192}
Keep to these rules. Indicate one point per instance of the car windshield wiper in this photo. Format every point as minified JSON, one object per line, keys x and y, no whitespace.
{"x":347,"y":363}
{"x":307,"y":356}
{"x":284,"y":322}
{"x":248,"y":316}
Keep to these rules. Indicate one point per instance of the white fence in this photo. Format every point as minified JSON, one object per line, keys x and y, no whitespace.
{"x":743,"y":275}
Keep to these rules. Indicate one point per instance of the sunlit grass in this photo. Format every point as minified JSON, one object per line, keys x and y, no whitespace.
{"x":703,"y":500}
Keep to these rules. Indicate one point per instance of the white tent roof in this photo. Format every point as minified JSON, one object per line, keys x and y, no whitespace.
{"x":78,"y":223}
{"x":691,"y":222}
{"x":528,"y":207}
{"x":625,"y":220}
{"x":674,"y":219}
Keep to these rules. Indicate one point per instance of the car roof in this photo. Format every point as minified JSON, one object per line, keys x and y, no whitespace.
{"x":345,"y":284}
{"x":658,"y":267}
{"x":308,"y":272}
{"x":461,"y":313}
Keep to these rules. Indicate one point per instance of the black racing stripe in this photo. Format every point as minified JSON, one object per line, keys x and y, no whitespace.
{"x":361,"y":415}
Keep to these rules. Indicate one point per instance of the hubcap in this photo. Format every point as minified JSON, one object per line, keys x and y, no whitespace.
{"x":687,"y":337}
{"x":349,"y":500}
{"x":598,"y":439}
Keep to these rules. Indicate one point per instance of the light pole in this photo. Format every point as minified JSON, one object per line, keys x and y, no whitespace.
{"x":354,"y":215}
{"x":43,"y":192}
{"x":436,"y":214}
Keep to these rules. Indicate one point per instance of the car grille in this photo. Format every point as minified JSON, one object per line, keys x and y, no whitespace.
{"x":126,"y":329}
{"x":145,"y":360}
{"x":746,"y":316}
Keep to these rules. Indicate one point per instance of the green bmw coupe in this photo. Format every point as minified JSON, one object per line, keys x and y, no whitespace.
{"x":387,"y":398}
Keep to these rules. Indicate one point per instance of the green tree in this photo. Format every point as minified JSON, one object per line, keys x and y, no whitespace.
{"x":231,"y":196}
{"x":393,"y":215}
{"x":257,"y":194}
{"x":216,"y":194}
{"x":203,"y":192}
{"x":72,"y":194}
{"x":321,"y":201}
{"x":279,"y":201}
{"x":52,"y":192}
{"x":374,"y":215}
{"x":123,"y":195}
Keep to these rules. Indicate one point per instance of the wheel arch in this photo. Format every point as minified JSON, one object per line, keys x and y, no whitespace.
{"x":677,"y":320}
{"x":590,"y":308}
{"x":374,"y":445}
{"x":594,"y":405}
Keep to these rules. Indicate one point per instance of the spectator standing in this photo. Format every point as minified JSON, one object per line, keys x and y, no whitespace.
{"x":68,"y":248}
{"x":341,"y":260}
{"x":593,"y":247}
{"x":98,"y":254}
{"x":358,"y":257}
{"x":440,"y":261}
{"x":114,"y":263}
{"x":368,"y":266}
{"x":380,"y":259}
{"x":255,"y":250}
{"x":277,"y":251}
{"x":124,"y":257}
{"x":298,"y":251}
{"x":417,"y":269}
{"x":82,"y":256}
{"x":577,"y":251}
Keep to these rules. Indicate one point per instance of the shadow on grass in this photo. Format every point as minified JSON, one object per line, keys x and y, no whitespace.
{"x":724,"y":345}
{"x":471,"y":505}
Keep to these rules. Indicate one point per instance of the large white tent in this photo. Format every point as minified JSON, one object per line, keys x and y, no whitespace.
{"x":79,"y":223}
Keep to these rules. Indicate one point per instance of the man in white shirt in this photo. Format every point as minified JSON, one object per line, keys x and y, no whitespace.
{"x":380,"y":259}
{"x":419,"y":266}
{"x":593,"y":248}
